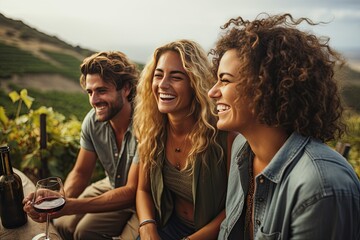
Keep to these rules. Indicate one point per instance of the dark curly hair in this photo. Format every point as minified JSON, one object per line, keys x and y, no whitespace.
{"x":113,"y":67}
{"x":287,"y":74}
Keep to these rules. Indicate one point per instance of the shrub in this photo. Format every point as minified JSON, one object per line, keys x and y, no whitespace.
{"x":353,"y":138}
{"x":22,"y":135}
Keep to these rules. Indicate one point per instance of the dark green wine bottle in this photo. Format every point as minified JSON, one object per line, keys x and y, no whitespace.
{"x":11,"y":193}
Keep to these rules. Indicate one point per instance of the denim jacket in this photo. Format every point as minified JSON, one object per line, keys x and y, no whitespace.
{"x":308,"y":191}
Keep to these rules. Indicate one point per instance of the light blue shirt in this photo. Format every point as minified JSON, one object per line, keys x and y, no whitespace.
{"x":308,"y":191}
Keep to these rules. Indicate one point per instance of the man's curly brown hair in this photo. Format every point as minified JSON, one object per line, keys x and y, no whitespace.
{"x":287,"y":74}
{"x":113,"y":67}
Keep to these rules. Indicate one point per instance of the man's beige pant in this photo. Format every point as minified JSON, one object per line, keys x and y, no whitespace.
{"x":98,"y":225}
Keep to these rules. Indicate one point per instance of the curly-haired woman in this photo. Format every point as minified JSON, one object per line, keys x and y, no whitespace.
{"x":276,"y":87}
{"x":183,"y":157}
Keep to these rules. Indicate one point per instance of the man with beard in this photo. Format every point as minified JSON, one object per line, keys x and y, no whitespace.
{"x":102,"y":209}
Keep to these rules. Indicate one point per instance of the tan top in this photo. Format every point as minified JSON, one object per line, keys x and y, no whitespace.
{"x":209,"y":184}
{"x":179,"y":182}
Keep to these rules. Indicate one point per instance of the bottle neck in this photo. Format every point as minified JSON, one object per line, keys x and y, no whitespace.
{"x":5,"y":161}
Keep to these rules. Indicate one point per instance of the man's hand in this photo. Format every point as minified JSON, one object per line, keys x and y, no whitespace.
{"x":33,"y":214}
{"x":28,"y":208}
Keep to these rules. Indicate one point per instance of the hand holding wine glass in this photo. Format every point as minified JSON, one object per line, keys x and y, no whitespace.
{"x":49,"y":197}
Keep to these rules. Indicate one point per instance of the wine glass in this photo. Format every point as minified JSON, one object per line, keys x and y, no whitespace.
{"x":49,"y":197}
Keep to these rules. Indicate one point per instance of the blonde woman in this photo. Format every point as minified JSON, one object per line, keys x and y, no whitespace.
{"x":183,"y":158}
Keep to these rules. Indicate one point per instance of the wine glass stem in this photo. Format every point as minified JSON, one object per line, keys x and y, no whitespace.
{"x":47,"y":227}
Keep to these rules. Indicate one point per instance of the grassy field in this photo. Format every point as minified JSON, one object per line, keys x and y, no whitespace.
{"x":14,"y":60}
{"x":68,"y":104}
{"x":70,"y":66}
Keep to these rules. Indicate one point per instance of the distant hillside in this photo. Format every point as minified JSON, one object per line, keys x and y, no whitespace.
{"x":350,"y":87}
{"x":25,"y":50}
{"x":43,"y":64}
{"x":15,"y":32}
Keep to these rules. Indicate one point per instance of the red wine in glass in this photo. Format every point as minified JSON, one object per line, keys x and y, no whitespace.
{"x":49,"y":197}
{"x":49,"y":204}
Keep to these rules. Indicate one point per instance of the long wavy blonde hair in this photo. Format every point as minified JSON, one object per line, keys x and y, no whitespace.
{"x":150,"y":125}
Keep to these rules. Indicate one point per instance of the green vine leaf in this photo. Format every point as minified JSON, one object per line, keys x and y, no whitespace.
{"x":27,"y":99}
{"x":3,"y":118}
{"x":14,"y":96}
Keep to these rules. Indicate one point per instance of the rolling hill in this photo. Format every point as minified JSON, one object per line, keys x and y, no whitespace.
{"x":45,"y":65}
{"x":25,"y":51}
{"x":49,"y":68}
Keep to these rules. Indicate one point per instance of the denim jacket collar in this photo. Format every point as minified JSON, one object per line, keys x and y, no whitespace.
{"x":286,"y":155}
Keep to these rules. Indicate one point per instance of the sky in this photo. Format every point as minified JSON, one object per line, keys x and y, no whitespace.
{"x":137,"y":27}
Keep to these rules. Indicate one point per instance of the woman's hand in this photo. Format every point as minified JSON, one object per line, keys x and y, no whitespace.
{"x":149,"y":232}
